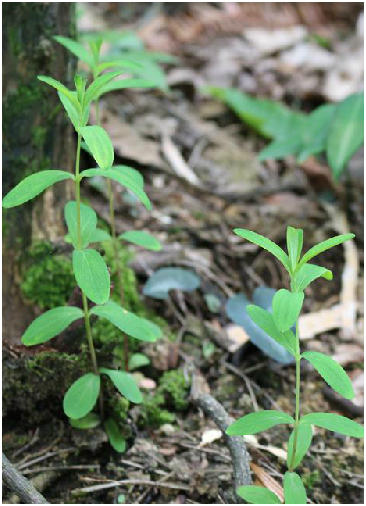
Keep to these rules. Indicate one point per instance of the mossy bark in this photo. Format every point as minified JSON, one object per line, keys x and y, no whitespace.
{"x":36,"y":136}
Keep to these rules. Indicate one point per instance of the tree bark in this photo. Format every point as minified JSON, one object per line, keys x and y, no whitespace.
{"x":36,"y":136}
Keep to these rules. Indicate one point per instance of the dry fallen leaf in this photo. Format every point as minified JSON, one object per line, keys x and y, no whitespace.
{"x":265,"y":480}
{"x":209,"y":436}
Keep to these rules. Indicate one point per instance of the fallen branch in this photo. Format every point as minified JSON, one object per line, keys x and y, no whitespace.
{"x":17,"y":483}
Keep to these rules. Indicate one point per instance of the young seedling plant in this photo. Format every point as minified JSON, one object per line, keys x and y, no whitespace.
{"x":90,"y":269}
{"x":279,"y":325}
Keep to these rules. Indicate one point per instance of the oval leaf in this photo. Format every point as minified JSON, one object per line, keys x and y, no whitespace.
{"x":294,"y":489}
{"x":100,"y":235}
{"x":131,"y":173}
{"x":257,"y":495}
{"x":33,"y":185}
{"x":308,"y":273}
{"x":257,"y":422}
{"x":91,"y":274}
{"x":99,"y":144}
{"x":141,"y":239}
{"x":88,"y":222}
{"x":137,"y":360}
{"x":323,"y":246}
{"x":77,"y":49}
{"x":62,"y":89}
{"x":305,"y":435}
{"x":114,"y":435}
{"x":89,"y":421}
{"x":125,"y":384}
{"x":170,"y":278}
{"x":335,"y":423}
{"x":331,"y":372}
{"x":127,"y":322}
{"x":50,"y":324}
{"x":294,"y":237}
{"x":346,"y":133}
{"x":286,"y":308}
{"x":266,"y":244}
{"x":81,"y":397}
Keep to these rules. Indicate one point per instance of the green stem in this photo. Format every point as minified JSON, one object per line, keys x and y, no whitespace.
{"x":85,"y":302}
{"x":297,"y":401}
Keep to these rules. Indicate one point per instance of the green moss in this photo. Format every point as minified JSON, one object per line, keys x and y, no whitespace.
{"x":119,"y":407}
{"x":49,"y":280}
{"x":175,"y":389}
{"x":311,"y":480}
{"x":153,"y":414}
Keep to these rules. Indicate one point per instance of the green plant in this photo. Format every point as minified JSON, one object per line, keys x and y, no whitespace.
{"x":89,"y":266}
{"x":286,"y":307}
{"x":334,"y":129}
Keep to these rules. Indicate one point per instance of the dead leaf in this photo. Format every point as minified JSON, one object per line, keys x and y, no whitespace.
{"x":265,"y":480}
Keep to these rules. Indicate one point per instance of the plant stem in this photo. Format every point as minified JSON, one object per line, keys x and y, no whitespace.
{"x":85,"y":302}
{"x":297,"y":401}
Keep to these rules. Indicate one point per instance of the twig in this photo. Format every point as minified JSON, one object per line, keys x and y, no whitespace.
{"x":20,"y":485}
{"x":146,"y":483}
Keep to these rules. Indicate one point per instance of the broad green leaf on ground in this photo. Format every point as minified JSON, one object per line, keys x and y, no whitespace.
{"x":170,"y":278}
{"x":280,"y":148}
{"x":257,"y":422}
{"x":125,"y":384}
{"x":81,"y":397}
{"x":88,"y":421}
{"x":264,"y":319}
{"x":93,"y":91}
{"x":346,"y":133}
{"x":88,"y":223}
{"x":305,"y":435}
{"x":141,"y":239}
{"x":62,"y":89}
{"x":123,"y":179}
{"x":137,"y":360}
{"x":131,"y":173}
{"x":308,"y":273}
{"x":286,"y":308}
{"x":100,"y":145}
{"x":315,"y":131}
{"x":257,"y":495}
{"x":335,"y":423}
{"x":323,"y":246}
{"x":294,"y":489}
{"x":33,"y":185}
{"x":91,"y":274}
{"x":115,"y":437}
{"x":265,"y":243}
{"x":127,"y":322}
{"x":294,"y":237}
{"x":50,"y":324}
{"x":331,"y":372}
{"x":76,"y":48}
{"x":100,"y":235}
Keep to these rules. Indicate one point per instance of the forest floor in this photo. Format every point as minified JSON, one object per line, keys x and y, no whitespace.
{"x":179,"y":456}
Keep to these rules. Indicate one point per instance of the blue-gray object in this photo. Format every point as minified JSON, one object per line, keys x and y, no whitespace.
{"x":170,"y":278}
{"x":236,"y":311}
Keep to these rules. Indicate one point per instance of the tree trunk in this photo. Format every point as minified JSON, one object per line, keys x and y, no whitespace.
{"x":36,"y":136}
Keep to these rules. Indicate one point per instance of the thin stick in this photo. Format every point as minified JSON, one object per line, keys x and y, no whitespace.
{"x":146,"y":483}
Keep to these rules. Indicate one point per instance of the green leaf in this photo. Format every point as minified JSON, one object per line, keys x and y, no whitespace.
{"x":257,"y":422}
{"x":280,"y":148}
{"x":100,"y":235}
{"x":331,"y":372}
{"x":124,"y":180}
{"x":125,"y":384}
{"x":305,"y":435}
{"x":125,"y":64}
{"x":91,"y":274}
{"x":81,"y":397}
{"x":315,"y":131}
{"x":76,"y":48}
{"x":336,"y":423}
{"x":286,"y":308}
{"x":100,"y":145}
{"x":114,"y":435}
{"x":88,"y":421}
{"x":71,"y":110}
{"x":264,"y":319}
{"x":308,"y":273}
{"x":127,"y":322}
{"x":294,"y":238}
{"x":93,"y":91}
{"x":170,"y":278}
{"x":88,"y":222}
{"x":131,"y":173}
{"x":294,"y":489}
{"x":122,"y":84}
{"x":257,"y":495}
{"x":323,"y":246}
{"x":346,"y":133}
{"x":62,"y":89}
{"x":33,"y":185}
{"x":141,"y":239}
{"x":137,"y":360}
{"x":50,"y":324}
{"x":266,"y":244}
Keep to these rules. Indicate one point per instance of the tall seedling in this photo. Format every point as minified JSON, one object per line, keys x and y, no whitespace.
{"x":89,"y":267}
{"x":278,"y":324}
